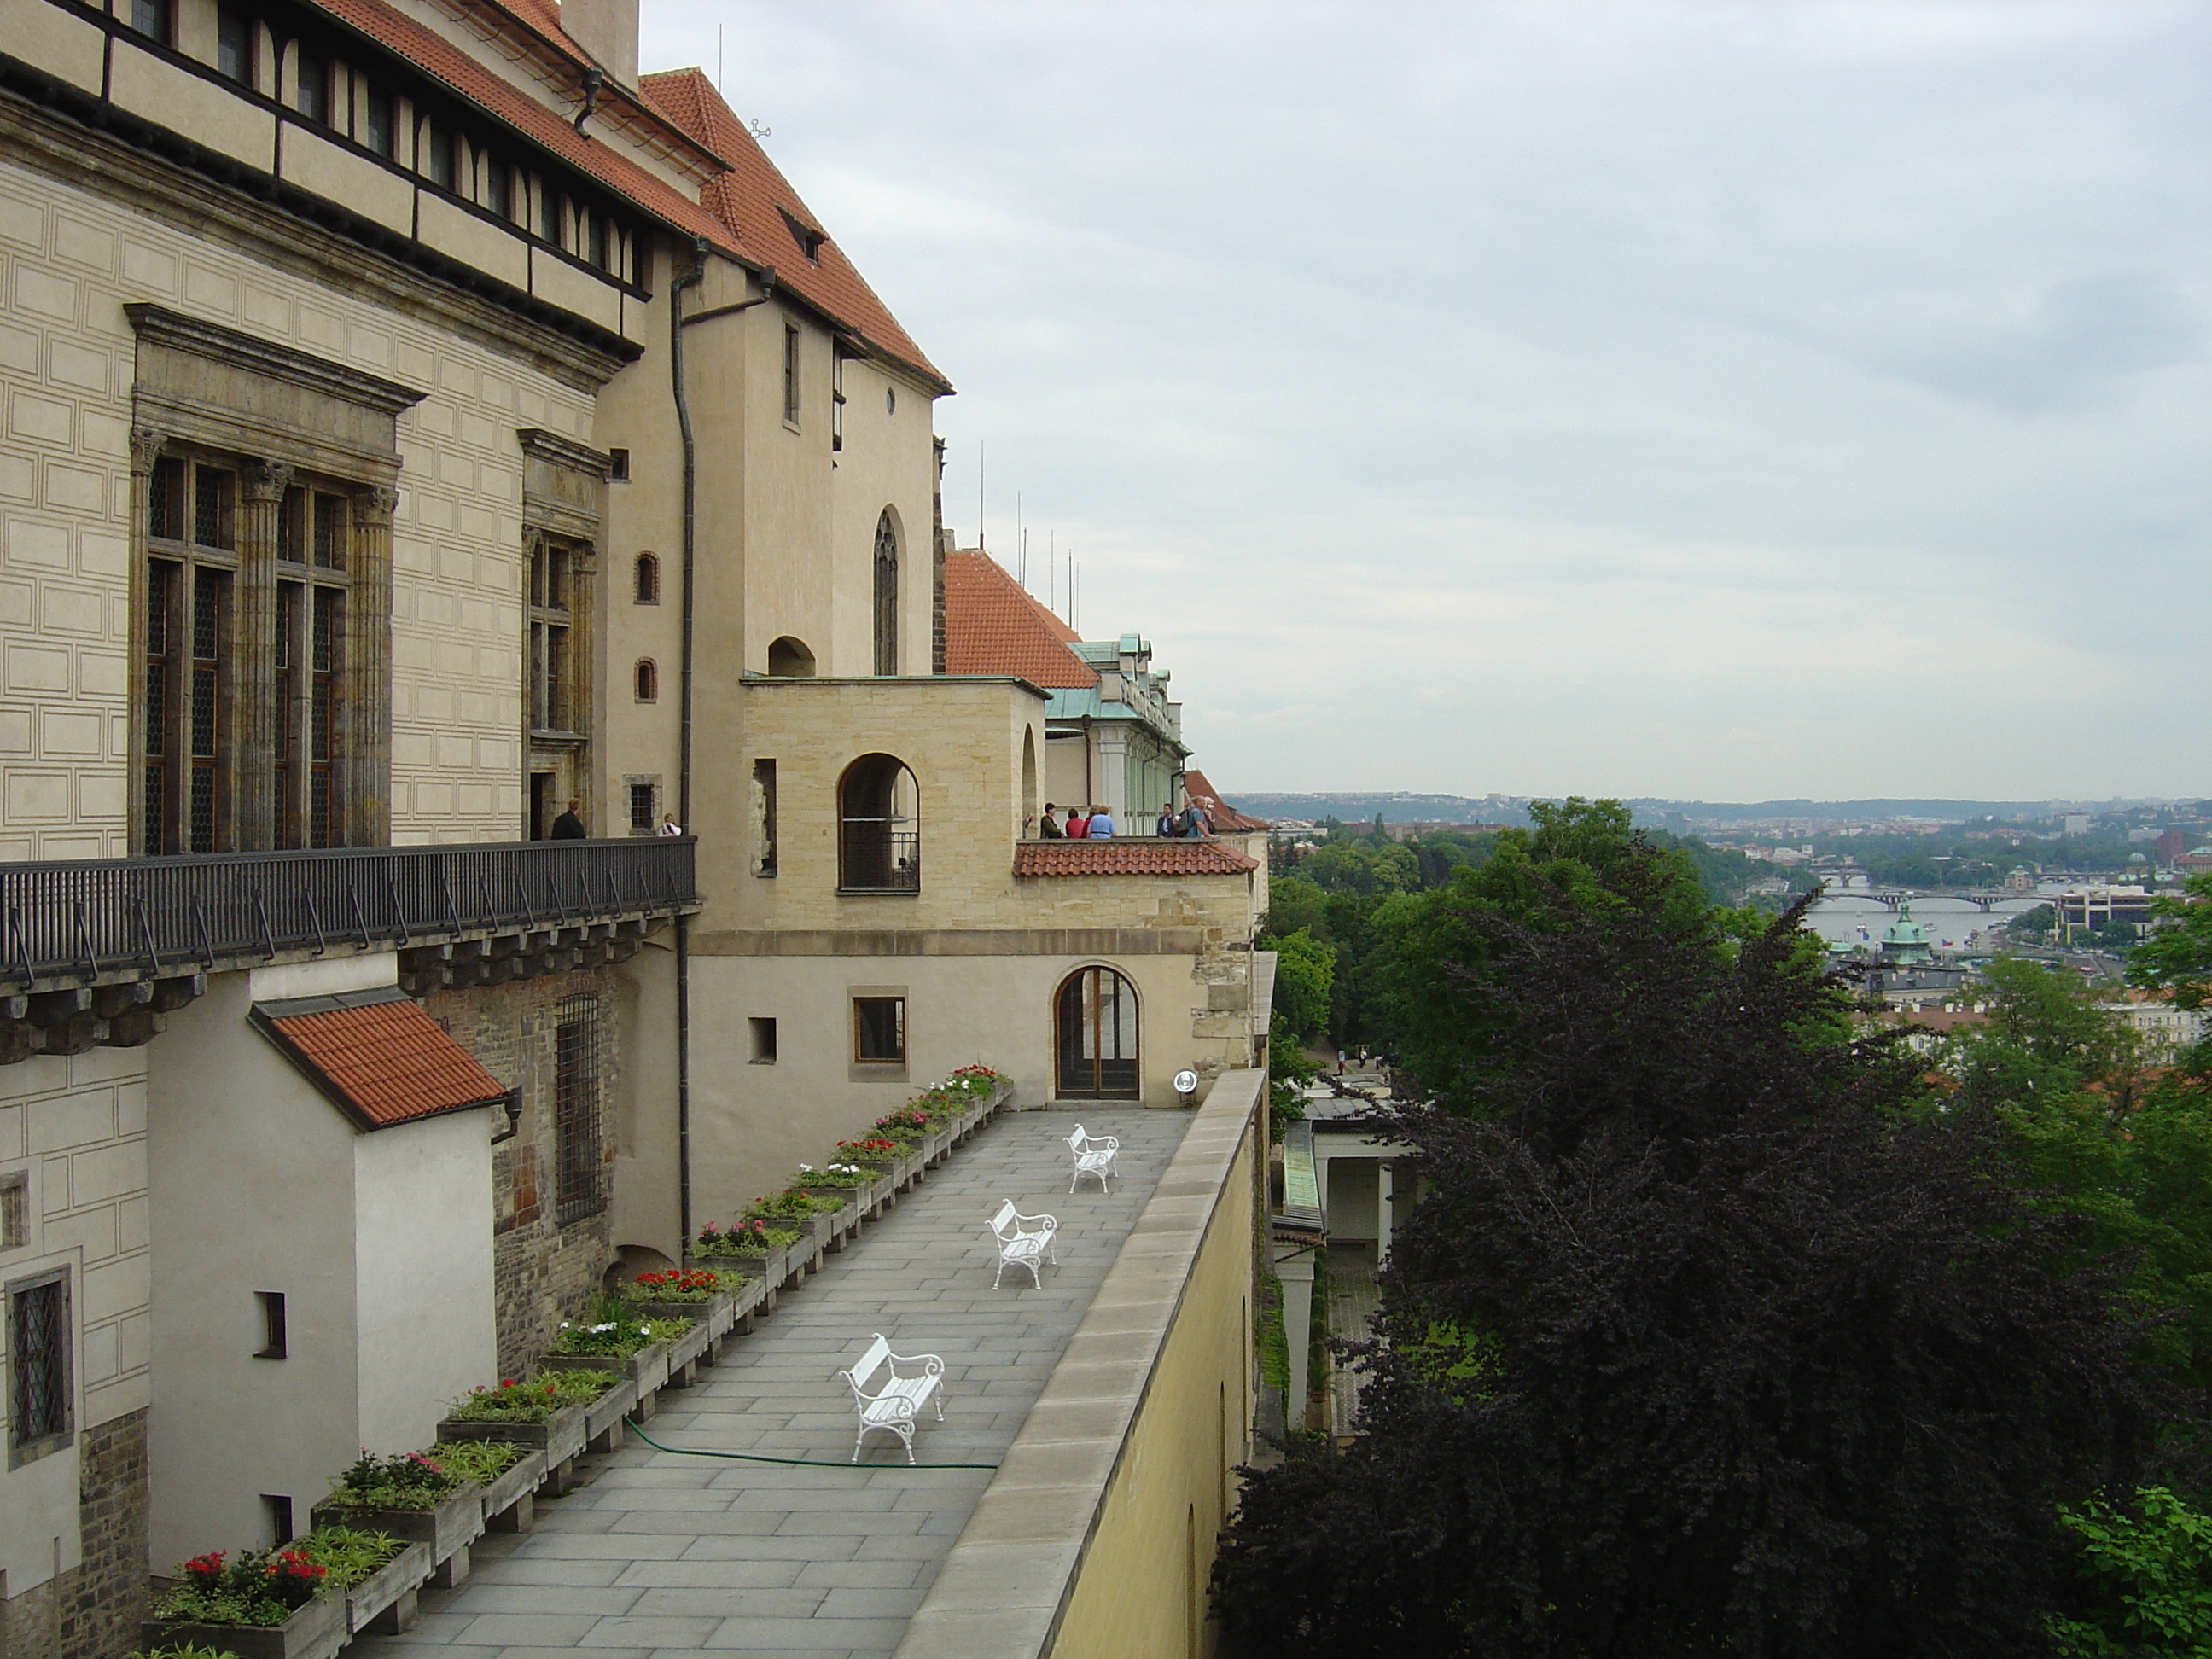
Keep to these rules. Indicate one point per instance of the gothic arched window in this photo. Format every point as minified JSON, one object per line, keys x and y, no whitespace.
{"x":886,"y":594}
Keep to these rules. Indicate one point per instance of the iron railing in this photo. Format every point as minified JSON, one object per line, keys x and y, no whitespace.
{"x":95,"y":919}
{"x":874,"y":858}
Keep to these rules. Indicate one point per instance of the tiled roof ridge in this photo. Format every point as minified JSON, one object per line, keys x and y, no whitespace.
{"x":748,"y":198}
{"x":377,"y":1056}
{"x":1129,"y":855}
{"x":993,"y":625}
{"x":443,"y":61}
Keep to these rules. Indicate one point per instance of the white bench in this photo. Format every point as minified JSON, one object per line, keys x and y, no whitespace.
{"x":1094,"y":1155}
{"x":886,"y":1397}
{"x":1023,"y":1241}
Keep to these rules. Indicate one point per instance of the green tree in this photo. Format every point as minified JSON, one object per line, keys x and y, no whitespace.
{"x":2177,"y":957}
{"x":1305,"y":969}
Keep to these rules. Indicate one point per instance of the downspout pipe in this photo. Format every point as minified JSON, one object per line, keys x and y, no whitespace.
{"x":675,"y":291}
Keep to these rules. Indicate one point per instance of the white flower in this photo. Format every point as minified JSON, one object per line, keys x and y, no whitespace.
{"x":601,"y":1330}
{"x":807,"y":1168}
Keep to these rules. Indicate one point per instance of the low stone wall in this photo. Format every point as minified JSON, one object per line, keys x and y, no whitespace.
{"x":1096,"y":1535}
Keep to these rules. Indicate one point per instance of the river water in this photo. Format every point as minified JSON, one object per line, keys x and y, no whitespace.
{"x":1850,"y":919}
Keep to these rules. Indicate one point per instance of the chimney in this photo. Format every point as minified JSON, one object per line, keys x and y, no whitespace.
{"x":608,"y":30}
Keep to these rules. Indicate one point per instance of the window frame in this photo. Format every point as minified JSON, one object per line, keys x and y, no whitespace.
{"x":579,"y":1183}
{"x":794,"y":404}
{"x":26,"y":1448}
{"x":898,"y":1034}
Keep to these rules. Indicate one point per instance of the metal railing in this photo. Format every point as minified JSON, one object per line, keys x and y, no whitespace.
{"x":86,"y":919}
{"x":877,"y":859}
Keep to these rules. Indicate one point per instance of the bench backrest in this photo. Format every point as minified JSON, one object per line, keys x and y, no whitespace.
{"x":1005,"y":1219}
{"x":878,"y":1355}
{"x":1075,"y":1142}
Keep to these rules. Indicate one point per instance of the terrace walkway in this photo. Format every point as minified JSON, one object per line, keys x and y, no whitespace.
{"x":661,"y":1554}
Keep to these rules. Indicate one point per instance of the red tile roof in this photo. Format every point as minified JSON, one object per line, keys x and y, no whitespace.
{"x":1135,"y":856}
{"x":753,"y":199}
{"x":993,"y":626}
{"x":378,"y":1057}
{"x":1222,"y":814}
{"x":443,"y":61}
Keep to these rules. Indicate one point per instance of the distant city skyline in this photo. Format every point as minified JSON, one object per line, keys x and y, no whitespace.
{"x":1723,"y":400}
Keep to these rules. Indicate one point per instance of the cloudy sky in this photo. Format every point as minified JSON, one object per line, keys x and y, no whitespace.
{"x":1720,"y":401}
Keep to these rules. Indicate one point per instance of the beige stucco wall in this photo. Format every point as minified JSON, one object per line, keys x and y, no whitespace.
{"x":76,"y":1128}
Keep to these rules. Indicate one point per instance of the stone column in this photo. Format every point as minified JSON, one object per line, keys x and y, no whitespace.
{"x":365,"y":717}
{"x":251,"y":797}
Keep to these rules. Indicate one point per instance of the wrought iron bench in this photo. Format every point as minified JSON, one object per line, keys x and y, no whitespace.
{"x":1094,"y":1155}
{"x":1024,"y":1242}
{"x":885,"y":1397}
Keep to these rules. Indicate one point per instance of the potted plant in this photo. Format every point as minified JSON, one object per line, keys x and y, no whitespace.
{"x":259,"y":1604}
{"x":753,"y":1247}
{"x":612,"y":1337}
{"x":377,"y":1573}
{"x":808,"y":1213}
{"x":410,"y":1496}
{"x":540,"y":1412}
{"x":506,"y":1471}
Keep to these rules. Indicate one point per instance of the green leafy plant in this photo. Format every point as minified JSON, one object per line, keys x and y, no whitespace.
{"x":349,"y":1555}
{"x":750,"y":1237}
{"x":184,"y":1651}
{"x":697,"y":1285}
{"x":832,"y":1175}
{"x":532,"y":1402}
{"x":791,"y":1204}
{"x":909,"y":1126}
{"x":406,"y":1480}
{"x":579,"y":1387}
{"x":2145,"y":1577}
{"x":481,"y":1460}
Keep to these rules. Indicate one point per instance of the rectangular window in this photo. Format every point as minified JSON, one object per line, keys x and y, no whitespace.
{"x":598,"y":234}
{"x":618,"y":465}
{"x":39,"y":1404}
{"x":323,"y":646}
{"x":15,"y":1211}
{"x":641,"y":809}
{"x":214,"y":492}
{"x":790,"y":373}
{"x":836,"y":399}
{"x":498,"y":188}
{"x":151,"y":18}
{"x":290,"y":608}
{"x":764,"y":1037}
{"x":310,"y":95}
{"x":204,"y":713}
{"x":162,"y":582}
{"x":549,"y":214}
{"x":272,"y":1325}
{"x":879,"y":1030}
{"x":763,"y":817}
{"x":328,"y":534}
{"x":277,"y":1515}
{"x":578,"y":1187}
{"x":549,"y":621}
{"x":233,"y":43}
{"x":379,"y":128}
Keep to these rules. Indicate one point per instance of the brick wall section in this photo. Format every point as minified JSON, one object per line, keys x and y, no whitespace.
{"x":92,"y":1611}
{"x":543,"y":1272}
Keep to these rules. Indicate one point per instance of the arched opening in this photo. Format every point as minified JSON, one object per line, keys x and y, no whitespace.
{"x":1029,"y":807}
{"x":790,"y":660}
{"x":1095,"y":1028}
{"x":886,"y":594}
{"x":879,"y":827}
{"x":648,"y":578}
{"x":647,"y":677}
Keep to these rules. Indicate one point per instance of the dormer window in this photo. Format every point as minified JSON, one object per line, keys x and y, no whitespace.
{"x":809,"y":240}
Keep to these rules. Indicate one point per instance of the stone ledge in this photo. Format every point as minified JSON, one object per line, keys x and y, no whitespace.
{"x":1007,"y":1580}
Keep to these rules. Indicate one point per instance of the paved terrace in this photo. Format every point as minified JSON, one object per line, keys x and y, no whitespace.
{"x":661,"y":1554}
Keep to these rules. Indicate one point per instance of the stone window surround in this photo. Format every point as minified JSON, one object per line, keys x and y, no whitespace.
{"x":564,"y":502}
{"x":205,"y":389}
{"x":37,"y":1278}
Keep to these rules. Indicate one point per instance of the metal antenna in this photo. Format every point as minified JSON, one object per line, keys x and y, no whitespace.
{"x":980,"y":543}
{"x":1021,"y":535}
{"x":718,"y":57}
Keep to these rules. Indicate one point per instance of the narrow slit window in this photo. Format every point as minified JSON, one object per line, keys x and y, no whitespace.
{"x":273,"y":1336}
{"x":647,"y":677}
{"x":790,"y":373}
{"x":764,"y":817}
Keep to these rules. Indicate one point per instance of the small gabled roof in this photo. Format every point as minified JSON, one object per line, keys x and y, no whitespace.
{"x":1224,"y":815}
{"x":1135,"y":856}
{"x":758,"y":206}
{"x":993,"y":625}
{"x":377,"y":1056}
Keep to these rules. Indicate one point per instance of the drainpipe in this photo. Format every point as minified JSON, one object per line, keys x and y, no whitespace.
{"x":684,"y":743}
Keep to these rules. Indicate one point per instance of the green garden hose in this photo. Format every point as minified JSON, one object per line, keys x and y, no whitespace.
{"x":793,"y":1463}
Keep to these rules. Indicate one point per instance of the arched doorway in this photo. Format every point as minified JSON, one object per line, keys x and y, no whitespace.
{"x":1096,"y":1036}
{"x":879,"y":827}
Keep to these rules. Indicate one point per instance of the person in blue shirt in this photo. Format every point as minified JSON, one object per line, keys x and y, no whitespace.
{"x":1102,"y":824}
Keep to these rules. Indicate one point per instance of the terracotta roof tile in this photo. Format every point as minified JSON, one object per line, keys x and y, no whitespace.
{"x":993,"y":626}
{"x":1135,"y":855}
{"x":382,"y":1061}
{"x":753,"y":201}
{"x":443,"y":61}
{"x":1224,"y":815}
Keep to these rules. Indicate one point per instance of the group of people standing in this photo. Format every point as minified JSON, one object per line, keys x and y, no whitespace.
{"x":1096,"y":823}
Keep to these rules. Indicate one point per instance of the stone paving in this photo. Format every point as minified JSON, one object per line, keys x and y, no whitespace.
{"x":662,"y":1554}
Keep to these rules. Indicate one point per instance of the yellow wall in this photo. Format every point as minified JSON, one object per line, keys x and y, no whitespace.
{"x":1141,"y":1586}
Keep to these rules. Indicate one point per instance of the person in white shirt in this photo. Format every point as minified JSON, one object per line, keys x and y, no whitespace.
{"x":669,"y":825}
{"x":1102,"y":824}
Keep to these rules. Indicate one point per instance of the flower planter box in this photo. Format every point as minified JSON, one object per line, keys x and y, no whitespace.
{"x":317,"y":1631}
{"x":386,"y":1599}
{"x":560,"y":1436}
{"x":648,"y":1368}
{"x":688,"y":1346}
{"x":512,"y":1490}
{"x":456,"y":1524}
{"x":603,"y":1417}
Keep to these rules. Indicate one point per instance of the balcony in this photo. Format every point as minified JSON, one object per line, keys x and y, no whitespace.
{"x":94,"y":952}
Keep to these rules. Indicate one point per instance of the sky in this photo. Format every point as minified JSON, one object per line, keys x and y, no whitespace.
{"x":1705,"y":401}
